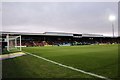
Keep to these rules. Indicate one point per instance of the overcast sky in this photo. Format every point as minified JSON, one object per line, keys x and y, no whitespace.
{"x":71,"y":17}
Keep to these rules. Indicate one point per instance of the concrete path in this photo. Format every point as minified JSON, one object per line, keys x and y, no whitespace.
{"x":12,"y":55}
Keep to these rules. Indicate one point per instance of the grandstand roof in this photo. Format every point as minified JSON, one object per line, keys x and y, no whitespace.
{"x":53,"y":34}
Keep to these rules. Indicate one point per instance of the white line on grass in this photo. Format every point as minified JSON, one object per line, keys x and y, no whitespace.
{"x":69,"y":67}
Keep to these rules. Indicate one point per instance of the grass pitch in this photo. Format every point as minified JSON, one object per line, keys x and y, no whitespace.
{"x":98,"y":59}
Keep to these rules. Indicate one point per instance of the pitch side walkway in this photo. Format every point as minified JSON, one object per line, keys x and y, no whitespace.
{"x":12,"y":55}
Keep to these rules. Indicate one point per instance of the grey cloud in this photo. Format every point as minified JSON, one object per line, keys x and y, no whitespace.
{"x":89,"y":17}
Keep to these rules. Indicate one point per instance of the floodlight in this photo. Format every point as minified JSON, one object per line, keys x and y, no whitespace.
{"x":112,"y":18}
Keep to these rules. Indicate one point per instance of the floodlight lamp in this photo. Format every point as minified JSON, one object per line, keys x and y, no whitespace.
{"x":112,"y":18}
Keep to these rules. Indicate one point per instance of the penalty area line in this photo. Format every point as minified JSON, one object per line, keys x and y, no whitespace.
{"x":69,"y":67}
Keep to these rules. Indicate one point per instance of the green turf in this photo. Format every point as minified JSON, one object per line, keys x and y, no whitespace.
{"x":99,"y":59}
{"x":11,"y":51}
{"x":31,"y":67}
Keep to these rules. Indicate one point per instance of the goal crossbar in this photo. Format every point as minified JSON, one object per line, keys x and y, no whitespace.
{"x":14,"y":39}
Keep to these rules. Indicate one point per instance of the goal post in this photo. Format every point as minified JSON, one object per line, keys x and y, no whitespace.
{"x":13,"y":42}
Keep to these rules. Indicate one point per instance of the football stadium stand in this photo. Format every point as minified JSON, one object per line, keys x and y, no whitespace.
{"x":60,"y":39}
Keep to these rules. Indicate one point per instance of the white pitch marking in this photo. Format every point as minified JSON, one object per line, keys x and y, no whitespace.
{"x":69,"y":67}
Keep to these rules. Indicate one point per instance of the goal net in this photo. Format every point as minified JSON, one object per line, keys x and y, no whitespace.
{"x":13,"y":43}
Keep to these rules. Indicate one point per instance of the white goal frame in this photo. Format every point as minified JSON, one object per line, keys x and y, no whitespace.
{"x":8,"y":38}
